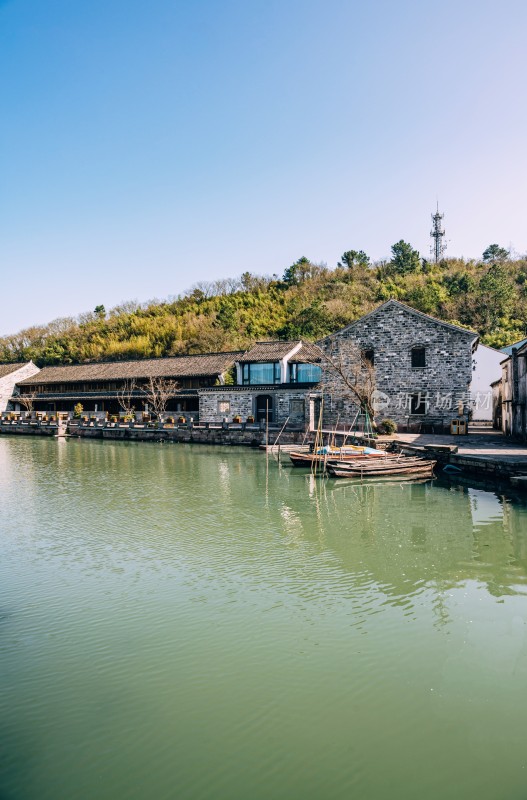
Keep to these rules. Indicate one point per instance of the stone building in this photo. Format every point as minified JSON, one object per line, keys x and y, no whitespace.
{"x":10,"y":375}
{"x":423,"y":368}
{"x":275,"y":382}
{"x":486,"y":369}
{"x":97,"y":386}
{"x":513,"y":393}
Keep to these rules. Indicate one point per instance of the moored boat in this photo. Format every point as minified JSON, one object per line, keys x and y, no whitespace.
{"x":331,"y":455}
{"x":399,"y":468}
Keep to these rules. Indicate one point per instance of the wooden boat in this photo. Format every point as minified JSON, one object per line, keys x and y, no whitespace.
{"x":399,"y":469}
{"x":334,"y":456}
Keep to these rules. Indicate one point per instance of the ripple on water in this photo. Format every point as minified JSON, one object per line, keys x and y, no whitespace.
{"x":185,"y":622}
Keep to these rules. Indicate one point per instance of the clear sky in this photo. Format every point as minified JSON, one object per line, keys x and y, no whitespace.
{"x":148,"y":145}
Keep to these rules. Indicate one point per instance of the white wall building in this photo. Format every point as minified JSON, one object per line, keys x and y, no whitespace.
{"x":486,"y":368}
{"x":10,"y":374}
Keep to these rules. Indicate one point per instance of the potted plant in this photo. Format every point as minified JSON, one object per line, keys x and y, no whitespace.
{"x":182,"y":420}
{"x":250,"y":419}
{"x":77,"y":411}
{"x":237,"y":419}
{"x":169,"y":421}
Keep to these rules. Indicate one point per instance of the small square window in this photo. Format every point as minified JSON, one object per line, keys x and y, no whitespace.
{"x":418,"y":357}
{"x":224,"y":406}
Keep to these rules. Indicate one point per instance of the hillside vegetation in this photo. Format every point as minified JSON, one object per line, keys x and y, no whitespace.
{"x":309,"y":301}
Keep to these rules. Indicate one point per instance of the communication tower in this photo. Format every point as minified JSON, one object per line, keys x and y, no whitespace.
{"x":437,"y":250}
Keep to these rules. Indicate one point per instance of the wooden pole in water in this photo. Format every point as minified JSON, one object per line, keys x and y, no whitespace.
{"x":266,"y":425}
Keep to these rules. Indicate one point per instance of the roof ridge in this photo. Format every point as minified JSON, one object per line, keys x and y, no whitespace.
{"x":393,"y":301}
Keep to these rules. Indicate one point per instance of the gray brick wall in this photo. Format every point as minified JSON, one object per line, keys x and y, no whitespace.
{"x":288,"y":402}
{"x":392,"y":332}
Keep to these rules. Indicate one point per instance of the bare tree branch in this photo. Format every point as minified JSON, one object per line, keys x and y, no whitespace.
{"x":27,"y":400}
{"x":125,"y":395}
{"x":158,"y":392}
{"x":355,"y":371}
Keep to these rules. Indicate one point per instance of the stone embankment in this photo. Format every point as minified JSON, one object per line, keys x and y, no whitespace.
{"x":487,"y":457}
{"x":29,"y":428}
{"x":222,"y":434}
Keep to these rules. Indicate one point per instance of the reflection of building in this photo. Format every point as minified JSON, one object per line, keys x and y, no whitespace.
{"x":97,"y":386}
{"x":485,"y":507}
{"x":275,"y":381}
{"x":10,"y":375}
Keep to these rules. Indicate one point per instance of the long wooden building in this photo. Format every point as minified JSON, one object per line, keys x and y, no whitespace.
{"x":98,"y":387}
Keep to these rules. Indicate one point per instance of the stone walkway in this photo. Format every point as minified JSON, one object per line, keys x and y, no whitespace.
{"x":482,"y":442}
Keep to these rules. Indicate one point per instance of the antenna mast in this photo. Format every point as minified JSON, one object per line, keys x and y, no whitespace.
{"x":437,"y":250}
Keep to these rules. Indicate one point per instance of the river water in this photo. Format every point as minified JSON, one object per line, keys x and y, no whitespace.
{"x":198,"y":623}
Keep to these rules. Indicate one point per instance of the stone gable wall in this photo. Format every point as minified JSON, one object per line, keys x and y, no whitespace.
{"x":392,"y":332}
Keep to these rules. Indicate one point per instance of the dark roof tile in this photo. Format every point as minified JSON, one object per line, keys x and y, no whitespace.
{"x":210,"y":364}
{"x":8,"y":369}
{"x":268,"y":351}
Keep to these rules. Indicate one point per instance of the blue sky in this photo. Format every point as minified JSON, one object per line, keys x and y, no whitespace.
{"x":148,"y":145}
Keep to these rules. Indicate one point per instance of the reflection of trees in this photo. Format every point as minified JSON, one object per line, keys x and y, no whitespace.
{"x":161,"y":504}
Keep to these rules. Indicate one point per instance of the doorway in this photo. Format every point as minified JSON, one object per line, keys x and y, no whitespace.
{"x":264,"y":408}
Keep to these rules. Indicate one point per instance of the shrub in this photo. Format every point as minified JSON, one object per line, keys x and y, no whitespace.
{"x":387,"y":427}
{"x":77,"y":410}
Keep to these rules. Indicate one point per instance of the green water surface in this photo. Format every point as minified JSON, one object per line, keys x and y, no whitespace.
{"x":200,"y":624}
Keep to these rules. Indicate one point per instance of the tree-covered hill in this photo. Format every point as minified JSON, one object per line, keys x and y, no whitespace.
{"x":309,"y":301}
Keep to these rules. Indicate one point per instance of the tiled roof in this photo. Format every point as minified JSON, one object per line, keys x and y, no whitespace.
{"x":8,"y":369}
{"x":508,"y":350}
{"x":210,"y":364}
{"x":307,"y":354}
{"x":268,"y":351}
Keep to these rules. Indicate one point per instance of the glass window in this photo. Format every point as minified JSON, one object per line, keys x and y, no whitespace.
{"x":418,"y":357}
{"x":304,"y":373}
{"x":261,"y":374}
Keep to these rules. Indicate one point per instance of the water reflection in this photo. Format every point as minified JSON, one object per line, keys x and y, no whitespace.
{"x":248,"y":516}
{"x":194,"y":622}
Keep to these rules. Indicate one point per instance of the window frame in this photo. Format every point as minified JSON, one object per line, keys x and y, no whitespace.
{"x":246,"y":373}
{"x":293,"y":372}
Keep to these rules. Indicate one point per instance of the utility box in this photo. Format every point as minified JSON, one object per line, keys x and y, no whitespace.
{"x":458,"y":427}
